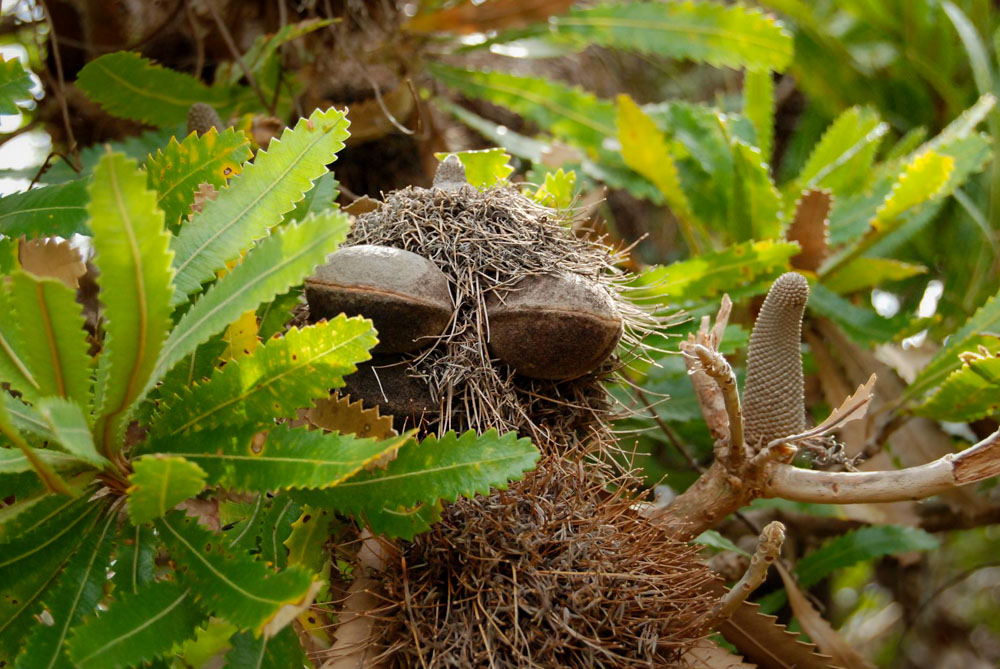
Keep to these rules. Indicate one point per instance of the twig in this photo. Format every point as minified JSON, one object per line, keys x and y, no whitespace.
{"x":974,"y":464}
{"x":768,"y":549}
{"x":60,"y":90}
{"x":716,"y":366}
{"x":231,"y":45}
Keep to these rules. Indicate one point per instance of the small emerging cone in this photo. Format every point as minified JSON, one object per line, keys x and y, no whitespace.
{"x":773,"y":396}
{"x":202,"y":117}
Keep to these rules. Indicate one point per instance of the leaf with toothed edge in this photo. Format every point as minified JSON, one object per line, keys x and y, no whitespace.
{"x":717,"y":34}
{"x":159,"y":483}
{"x":136,"y":628}
{"x":245,"y":459}
{"x":42,"y":212}
{"x":235,"y":587}
{"x":285,"y":374}
{"x":277,"y":263}
{"x":249,"y":652}
{"x":52,"y":339}
{"x":80,"y":587}
{"x":435,"y":469}
{"x":136,"y":278}
{"x":258,"y":199}
{"x":176,"y":171}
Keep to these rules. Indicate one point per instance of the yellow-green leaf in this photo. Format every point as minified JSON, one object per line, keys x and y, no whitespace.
{"x":159,"y":483}
{"x":484,"y":168}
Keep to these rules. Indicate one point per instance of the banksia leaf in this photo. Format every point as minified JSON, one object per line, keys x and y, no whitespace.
{"x":277,"y":263}
{"x":432,"y":470}
{"x":52,"y":339}
{"x":135,"y":549}
{"x":80,"y":588}
{"x":773,"y":399}
{"x":42,"y":461}
{"x":129,"y":86}
{"x":176,"y":171}
{"x":232,"y":586}
{"x":482,"y":169}
{"x":15,"y":85}
{"x":136,"y":279}
{"x":68,"y":425}
{"x":14,"y":369}
{"x":567,"y":112}
{"x":43,"y":212}
{"x":159,"y":483}
{"x":842,"y":159}
{"x":243,"y":459}
{"x":285,"y":374}
{"x":969,"y":393}
{"x":758,"y":107}
{"x":281,"y":650}
{"x":258,"y":199}
{"x":718,"y":34}
{"x":136,"y":628}
{"x":758,"y":209}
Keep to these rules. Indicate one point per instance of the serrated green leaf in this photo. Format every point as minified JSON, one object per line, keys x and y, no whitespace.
{"x":26,"y":418}
{"x":645,"y":150}
{"x":59,"y":210}
{"x":17,"y":461}
{"x":68,"y":424}
{"x":243,"y":534}
{"x":866,"y":543}
{"x":758,"y":107}
{"x":277,"y":528}
{"x":864,"y":273}
{"x":129,"y":86}
{"x":567,"y":112}
{"x":842,"y":159}
{"x":309,"y":534}
{"x":688,"y":282}
{"x":135,"y":550}
{"x":721,"y":35}
{"x":159,"y":483}
{"x":920,"y":181}
{"x":53,"y":343}
{"x":517,"y":144}
{"x":285,"y":374}
{"x":136,"y":279}
{"x":176,"y":171}
{"x":14,"y":367}
{"x":136,"y":628}
{"x":281,"y":650}
{"x":15,"y":85}
{"x":961,"y":127}
{"x":242,"y":459}
{"x":432,"y":470}
{"x":35,"y":547}
{"x":756,"y":200}
{"x":211,"y":640}
{"x":558,"y":190}
{"x":241,"y":590}
{"x":32,"y":457}
{"x":404,"y":522}
{"x":258,"y":199}
{"x":279,"y":262}
{"x":484,"y":168}
{"x":985,"y":320}
{"x":969,"y":393}
{"x":321,"y":197}
{"x":79,"y":589}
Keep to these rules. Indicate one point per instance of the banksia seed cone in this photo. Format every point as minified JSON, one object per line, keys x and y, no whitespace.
{"x":202,"y":118}
{"x":773,"y":401}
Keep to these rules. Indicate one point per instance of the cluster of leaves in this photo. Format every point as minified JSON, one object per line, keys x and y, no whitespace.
{"x":172,"y":403}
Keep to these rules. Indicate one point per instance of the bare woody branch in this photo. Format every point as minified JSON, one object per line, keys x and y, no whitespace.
{"x":768,"y":549}
{"x":718,"y":368}
{"x":974,"y":464}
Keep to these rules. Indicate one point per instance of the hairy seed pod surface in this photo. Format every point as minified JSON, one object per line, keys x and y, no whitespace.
{"x":773,"y":399}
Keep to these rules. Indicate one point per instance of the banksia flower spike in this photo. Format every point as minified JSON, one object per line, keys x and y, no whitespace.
{"x":773,"y":400}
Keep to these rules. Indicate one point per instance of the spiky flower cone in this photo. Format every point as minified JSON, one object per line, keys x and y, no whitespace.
{"x":202,"y":118}
{"x":773,"y":401}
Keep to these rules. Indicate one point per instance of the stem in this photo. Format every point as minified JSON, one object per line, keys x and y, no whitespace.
{"x":768,"y":549}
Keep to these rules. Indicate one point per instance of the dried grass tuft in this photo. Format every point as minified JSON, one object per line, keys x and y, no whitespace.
{"x":555,"y":571}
